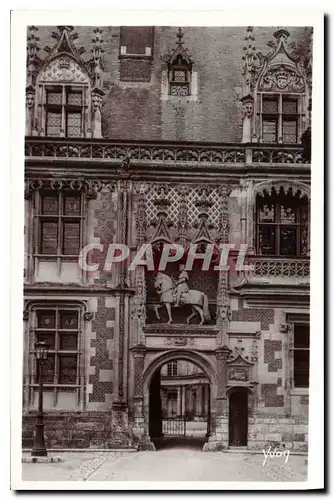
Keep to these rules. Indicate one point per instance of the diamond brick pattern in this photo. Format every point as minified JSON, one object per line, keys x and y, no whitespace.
{"x":270,"y":348}
{"x":101,"y":360}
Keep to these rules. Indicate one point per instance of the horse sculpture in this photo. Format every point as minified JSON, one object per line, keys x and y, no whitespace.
{"x":165,"y":287}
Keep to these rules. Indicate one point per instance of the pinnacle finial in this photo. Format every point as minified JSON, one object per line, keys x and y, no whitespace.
{"x":281,"y":33}
{"x":179,"y":36}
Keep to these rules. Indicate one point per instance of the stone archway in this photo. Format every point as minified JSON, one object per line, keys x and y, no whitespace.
{"x":149,"y":380}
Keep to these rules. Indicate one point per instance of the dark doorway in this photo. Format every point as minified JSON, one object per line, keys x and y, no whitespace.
{"x":238,"y":418}
{"x":179,"y":405}
{"x":155,"y":409}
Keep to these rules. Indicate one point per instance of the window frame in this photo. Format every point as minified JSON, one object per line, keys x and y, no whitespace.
{"x":276,"y":200}
{"x":179,"y":65}
{"x":56,"y":387}
{"x":172,"y":369}
{"x":297,"y":388}
{"x":64,"y":108}
{"x":61,"y":219}
{"x":280,"y":116}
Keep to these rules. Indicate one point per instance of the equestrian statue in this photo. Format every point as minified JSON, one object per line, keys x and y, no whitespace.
{"x":177,"y":293}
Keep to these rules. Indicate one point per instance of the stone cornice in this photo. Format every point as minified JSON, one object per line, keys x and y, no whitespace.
{"x":71,"y":289}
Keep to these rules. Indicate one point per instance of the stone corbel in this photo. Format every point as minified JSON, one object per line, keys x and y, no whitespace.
{"x":30,"y":104}
{"x":97,"y":99}
{"x":247,"y":113}
{"x":88,"y":316}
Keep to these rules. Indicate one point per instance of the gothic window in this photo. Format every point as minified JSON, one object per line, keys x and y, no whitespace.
{"x":280,"y":118}
{"x":60,"y":218}
{"x":172,"y":369}
{"x":301,"y":355}
{"x":60,"y":328}
{"x":282,"y":225}
{"x":64,"y":111}
{"x":179,"y":70}
{"x":179,"y":78}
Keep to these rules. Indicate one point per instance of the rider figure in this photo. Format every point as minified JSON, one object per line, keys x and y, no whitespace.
{"x":181,"y":286}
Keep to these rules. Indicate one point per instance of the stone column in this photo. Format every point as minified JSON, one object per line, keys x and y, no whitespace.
{"x":179,"y":403}
{"x":219,"y":428}
{"x":247,"y":112}
{"x":139,"y":429}
{"x":183,"y":399}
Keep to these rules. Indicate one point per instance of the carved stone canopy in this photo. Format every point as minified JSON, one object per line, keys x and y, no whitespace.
{"x":180,"y":55}
{"x":64,"y":63}
{"x":239,"y":370}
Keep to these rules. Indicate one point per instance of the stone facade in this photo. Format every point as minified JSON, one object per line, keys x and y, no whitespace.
{"x":150,"y":159}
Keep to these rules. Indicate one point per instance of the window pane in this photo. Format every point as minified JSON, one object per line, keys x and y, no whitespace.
{"x":71,"y":238}
{"x":288,"y":213}
{"x":72,"y":205}
{"x":48,"y":337}
{"x":179,"y":90}
{"x":49,"y":237}
{"x":48,"y":370}
{"x":46,"y":319}
{"x":50,"y":204}
{"x":179,"y":76}
{"x":288,"y":241}
{"x":53,"y":123}
{"x":269,"y":130}
{"x":301,"y":365}
{"x":67,"y":369}
{"x":74,"y":98}
{"x":290,"y":106}
{"x":54,"y":98}
{"x":301,"y":336}
{"x":289,"y":131}
{"x":267,"y":240}
{"x":68,"y":320}
{"x":266,"y":213}
{"x":68,"y":342}
{"x":73,"y":124}
{"x":270,"y":105}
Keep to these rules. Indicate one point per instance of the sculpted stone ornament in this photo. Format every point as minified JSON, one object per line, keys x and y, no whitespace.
{"x":239,"y":374}
{"x":30,"y":101}
{"x":97,"y":98}
{"x":177,"y":294}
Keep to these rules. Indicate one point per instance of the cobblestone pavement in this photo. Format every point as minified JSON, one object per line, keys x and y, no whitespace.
{"x":167,"y":465}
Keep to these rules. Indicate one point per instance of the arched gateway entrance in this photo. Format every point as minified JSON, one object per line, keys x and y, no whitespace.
{"x":178,"y":389}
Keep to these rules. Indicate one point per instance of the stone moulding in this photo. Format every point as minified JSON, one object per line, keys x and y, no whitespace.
{"x":180,"y":330}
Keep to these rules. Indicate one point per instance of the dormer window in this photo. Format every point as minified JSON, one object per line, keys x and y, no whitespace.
{"x":179,"y":70}
{"x":64,"y":104}
{"x":275,"y":94}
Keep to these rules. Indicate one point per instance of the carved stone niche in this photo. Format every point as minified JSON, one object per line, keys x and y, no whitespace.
{"x":239,"y":371}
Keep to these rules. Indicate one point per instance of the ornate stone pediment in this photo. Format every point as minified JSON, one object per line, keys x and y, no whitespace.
{"x":282,"y":78}
{"x":63,"y":69}
{"x":239,"y":370}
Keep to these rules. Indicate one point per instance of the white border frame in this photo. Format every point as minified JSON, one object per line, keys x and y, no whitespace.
{"x":244,"y":17}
